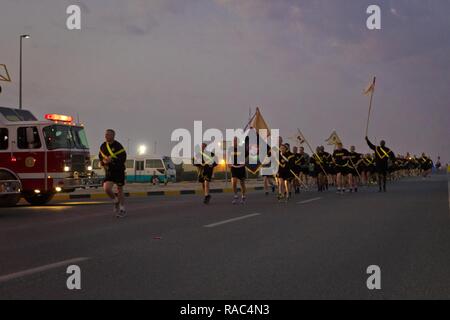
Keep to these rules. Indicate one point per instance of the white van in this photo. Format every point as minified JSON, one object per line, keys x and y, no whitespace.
{"x":144,"y":169}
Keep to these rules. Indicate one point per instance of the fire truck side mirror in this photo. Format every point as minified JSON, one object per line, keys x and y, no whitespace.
{"x":30,"y":135}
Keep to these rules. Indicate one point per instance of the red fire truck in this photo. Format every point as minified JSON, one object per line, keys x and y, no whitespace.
{"x":41,"y":158}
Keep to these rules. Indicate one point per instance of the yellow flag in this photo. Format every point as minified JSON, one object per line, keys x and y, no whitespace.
{"x":333,"y":139}
{"x":370,"y":88}
{"x":4,"y":75}
{"x":259,"y":123}
{"x":300,"y":138}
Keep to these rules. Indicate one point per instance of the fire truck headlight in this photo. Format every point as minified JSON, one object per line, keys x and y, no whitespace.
{"x":58,"y":189}
{"x":89,"y":168}
{"x":37,"y":191}
{"x":66,"y":168}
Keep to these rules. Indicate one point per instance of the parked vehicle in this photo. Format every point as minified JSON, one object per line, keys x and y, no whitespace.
{"x":143,"y":169}
{"x":39,"y":158}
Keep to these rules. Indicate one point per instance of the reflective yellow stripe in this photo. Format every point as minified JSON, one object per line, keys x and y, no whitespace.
{"x":119,"y":152}
{"x":317,"y":157}
{"x":281,"y":164}
{"x":385,"y":153}
{"x":253,"y":172}
{"x":113,"y":155}
{"x":343,"y":165}
{"x":286,"y":158}
{"x":211,"y":159}
{"x":103,"y":155}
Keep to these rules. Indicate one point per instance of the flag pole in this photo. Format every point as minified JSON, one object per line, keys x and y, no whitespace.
{"x":356,"y":169}
{"x":296,"y":177}
{"x":251,"y":119}
{"x":309,"y":146}
{"x":370,"y":105}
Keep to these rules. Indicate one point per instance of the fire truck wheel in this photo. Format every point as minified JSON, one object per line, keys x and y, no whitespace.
{"x":39,"y":199}
{"x":9,"y":200}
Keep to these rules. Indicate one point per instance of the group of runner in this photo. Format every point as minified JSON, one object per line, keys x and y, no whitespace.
{"x":344,"y":169}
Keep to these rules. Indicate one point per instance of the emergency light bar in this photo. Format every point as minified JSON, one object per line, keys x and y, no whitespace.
{"x":58,"y":117}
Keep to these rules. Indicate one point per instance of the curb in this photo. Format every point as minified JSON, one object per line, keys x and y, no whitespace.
{"x":149,"y":194}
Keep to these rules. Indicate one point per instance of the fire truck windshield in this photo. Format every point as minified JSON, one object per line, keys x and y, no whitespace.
{"x":65,"y":137}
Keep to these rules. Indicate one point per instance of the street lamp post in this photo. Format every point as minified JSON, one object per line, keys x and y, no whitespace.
{"x":24,"y":36}
{"x":224,"y":152}
{"x":128,"y":145}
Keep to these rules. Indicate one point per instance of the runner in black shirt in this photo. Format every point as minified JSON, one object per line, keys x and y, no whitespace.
{"x":112,"y":157}
{"x":238,"y":157}
{"x":341,"y":161}
{"x":382,"y":157}
{"x":426,"y":165}
{"x":353,"y":176}
{"x":285,"y":162}
{"x":304,"y":166}
{"x":328,"y":165}
{"x":205,"y":163}
{"x":366,"y":166}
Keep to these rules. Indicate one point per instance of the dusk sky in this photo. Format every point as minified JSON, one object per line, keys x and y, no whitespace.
{"x":147,"y":67}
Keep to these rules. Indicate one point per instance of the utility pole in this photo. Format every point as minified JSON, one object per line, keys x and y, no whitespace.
{"x":24,"y":36}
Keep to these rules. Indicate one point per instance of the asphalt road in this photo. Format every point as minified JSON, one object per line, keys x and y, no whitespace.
{"x":318,"y":246}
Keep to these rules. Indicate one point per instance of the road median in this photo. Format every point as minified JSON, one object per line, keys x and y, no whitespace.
{"x":146,"y":194}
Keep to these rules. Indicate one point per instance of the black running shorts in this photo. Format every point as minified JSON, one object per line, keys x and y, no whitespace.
{"x":117,"y":177}
{"x":238,"y":173}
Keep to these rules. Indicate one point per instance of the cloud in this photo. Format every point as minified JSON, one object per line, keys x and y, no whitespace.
{"x":136,"y":17}
{"x":304,"y":62}
{"x":338,"y":25}
{"x":394,"y":12}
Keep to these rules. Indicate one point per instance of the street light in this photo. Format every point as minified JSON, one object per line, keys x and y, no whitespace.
{"x":24,"y":36}
{"x":142,"y":150}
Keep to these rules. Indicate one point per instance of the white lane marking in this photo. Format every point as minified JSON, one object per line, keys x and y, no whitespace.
{"x":231,"y":220}
{"x":308,"y":201}
{"x":47,"y":267}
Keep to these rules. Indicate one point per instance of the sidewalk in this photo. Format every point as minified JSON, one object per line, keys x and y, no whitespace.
{"x":149,"y":190}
